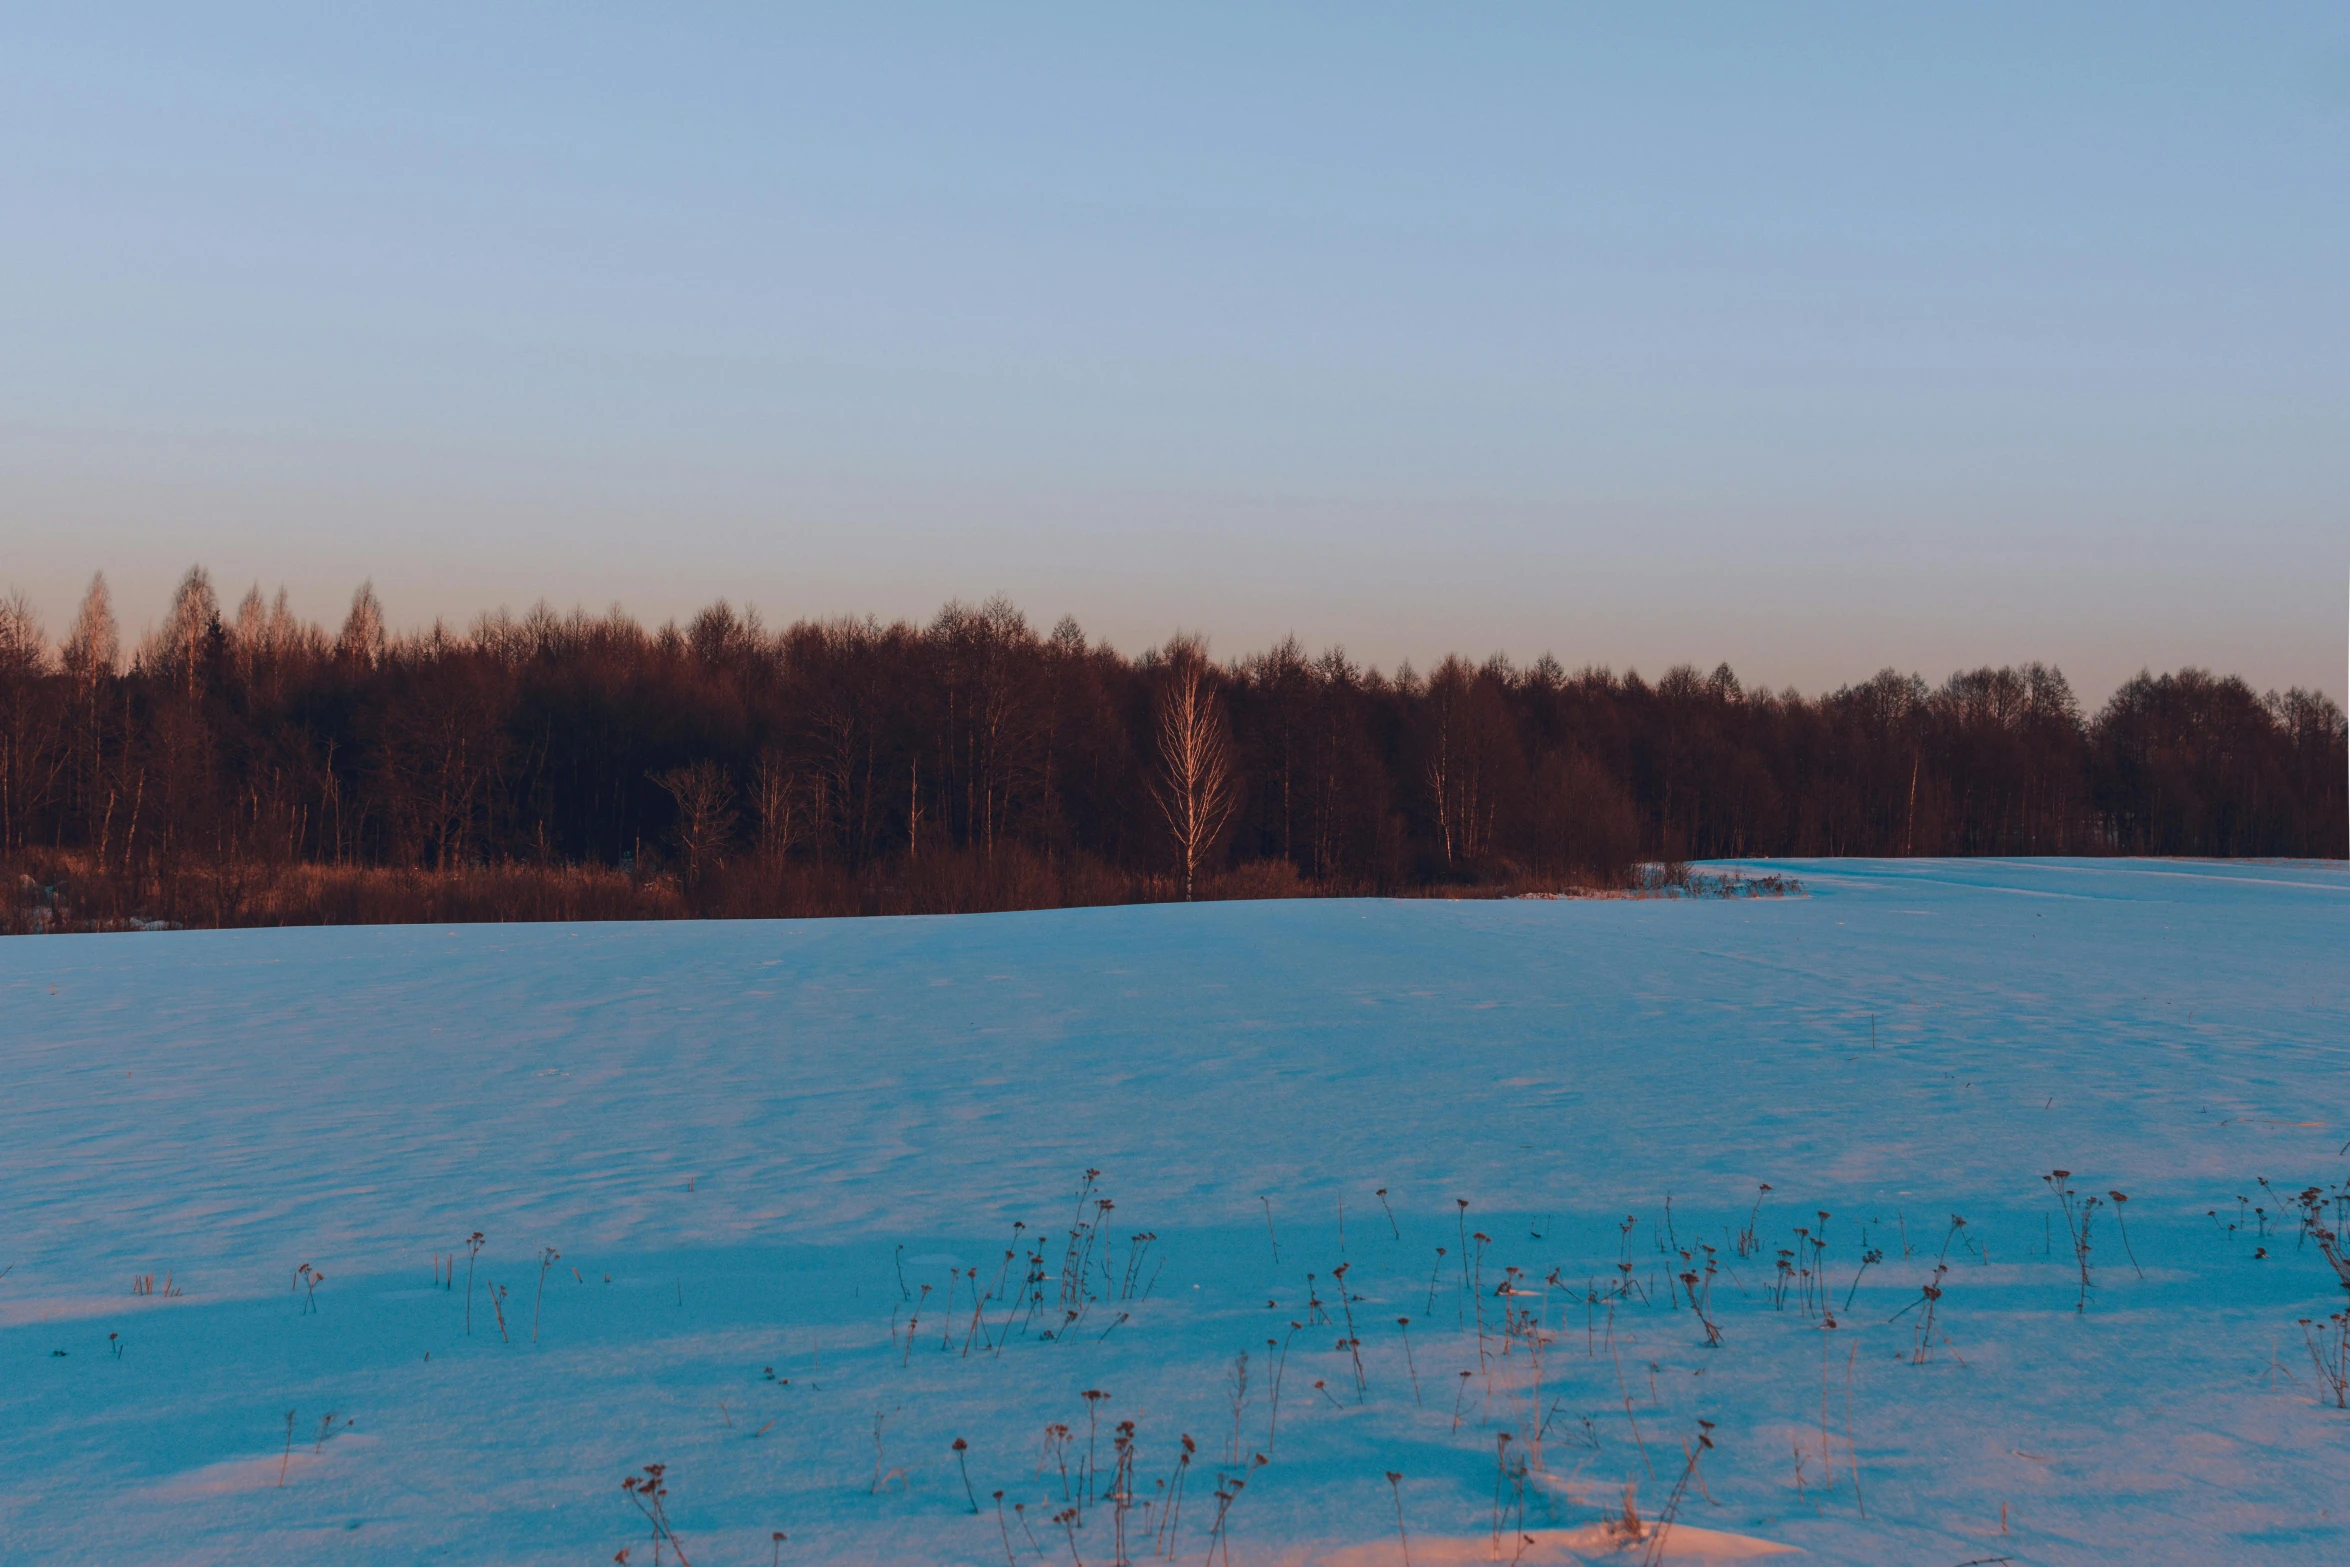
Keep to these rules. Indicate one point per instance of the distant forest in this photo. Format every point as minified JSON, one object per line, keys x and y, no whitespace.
{"x":245,"y":767}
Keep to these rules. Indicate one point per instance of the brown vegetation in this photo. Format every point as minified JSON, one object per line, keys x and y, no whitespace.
{"x":247,"y":768}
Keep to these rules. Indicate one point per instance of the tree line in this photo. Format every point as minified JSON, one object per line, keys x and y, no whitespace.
{"x":976,"y":761}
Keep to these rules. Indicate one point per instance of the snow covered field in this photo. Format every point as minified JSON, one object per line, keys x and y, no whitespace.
{"x":741,"y":1138}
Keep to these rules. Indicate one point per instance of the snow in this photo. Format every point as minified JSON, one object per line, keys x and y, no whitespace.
{"x":740,"y":1136}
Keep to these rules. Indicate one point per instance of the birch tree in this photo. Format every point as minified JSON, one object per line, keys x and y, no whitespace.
{"x":1193,"y":787}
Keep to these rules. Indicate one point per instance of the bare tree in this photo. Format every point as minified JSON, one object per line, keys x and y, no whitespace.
{"x":30,"y":758}
{"x":994,"y":734}
{"x":24,"y":645}
{"x":93,"y":648}
{"x":91,"y":657}
{"x":705,"y":814}
{"x":180,"y":645}
{"x":443,"y":753}
{"x":780,"y":801}
{"x":363,"y":640}
{"x":1194,"y":786}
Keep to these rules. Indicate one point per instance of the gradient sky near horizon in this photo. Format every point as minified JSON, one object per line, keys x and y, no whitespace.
{"x":1813,"y":339}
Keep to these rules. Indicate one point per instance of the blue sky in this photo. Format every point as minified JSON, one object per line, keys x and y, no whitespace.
{"x":1816,"y":341}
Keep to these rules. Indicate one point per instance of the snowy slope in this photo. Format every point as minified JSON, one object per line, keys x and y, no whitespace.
{"x":741,"y":1137}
